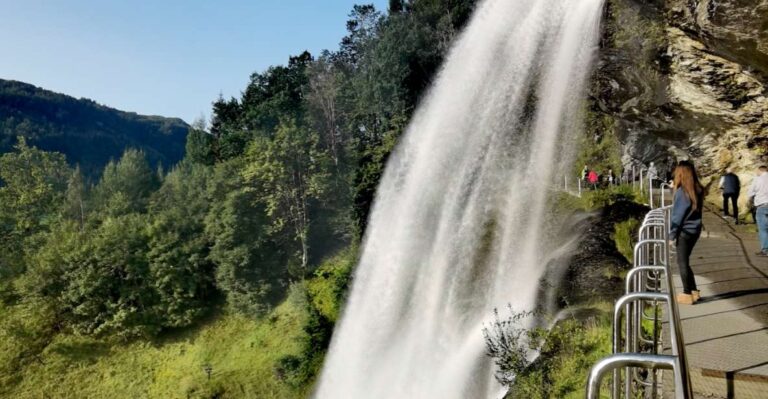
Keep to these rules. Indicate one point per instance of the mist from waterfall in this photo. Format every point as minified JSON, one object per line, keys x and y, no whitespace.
{"x":461,"y":222}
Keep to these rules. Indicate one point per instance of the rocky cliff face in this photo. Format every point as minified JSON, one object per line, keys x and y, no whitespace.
{"x":687,"y":79}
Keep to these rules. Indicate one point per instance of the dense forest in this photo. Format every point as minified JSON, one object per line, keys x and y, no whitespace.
{"x":88,"y":133}
{"x":278,"y":181}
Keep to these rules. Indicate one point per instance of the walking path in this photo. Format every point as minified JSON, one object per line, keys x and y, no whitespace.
{"x":726,"y":333}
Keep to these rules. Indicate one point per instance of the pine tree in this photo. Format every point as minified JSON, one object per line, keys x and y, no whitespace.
{"x":75,"y":197}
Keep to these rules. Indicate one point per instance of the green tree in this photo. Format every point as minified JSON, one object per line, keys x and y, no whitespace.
{"x":276,"y":94}
{"x":126,"y":185}
{"x":32,"y":185}
{"x":362,"y":27}
{"x":322,"y":99}
{"x":229,"y":134}
{"x":75,"y":197}
{"x":200,"y":144}
{"x":250,"y":260}
{"x":250,"y":264}
{"x":110,"y":291}
{"x":179,"y":266}
{"x":98,"y":280}
{"x":49,"y":268}
{"x":290,"y":172}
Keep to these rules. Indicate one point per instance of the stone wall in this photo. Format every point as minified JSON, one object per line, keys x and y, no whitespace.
{"x":687,"y":79}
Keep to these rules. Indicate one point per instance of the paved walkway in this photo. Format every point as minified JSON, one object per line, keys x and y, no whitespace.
{"x":726,"y":333}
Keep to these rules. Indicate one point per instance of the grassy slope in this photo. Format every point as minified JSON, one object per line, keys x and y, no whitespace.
{"x":242,"y":352}
{"x":570,"y":350}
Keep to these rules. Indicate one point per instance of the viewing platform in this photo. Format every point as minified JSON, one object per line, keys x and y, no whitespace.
{"x":726,"y":333}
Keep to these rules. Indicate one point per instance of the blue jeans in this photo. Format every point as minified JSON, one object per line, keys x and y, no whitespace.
{"x":762,"y":226}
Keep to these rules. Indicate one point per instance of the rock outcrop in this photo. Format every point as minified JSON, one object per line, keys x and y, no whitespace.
{"x":687,"y":79}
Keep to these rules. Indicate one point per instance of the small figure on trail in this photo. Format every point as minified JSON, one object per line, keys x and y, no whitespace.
{"x":584,"y":173}
{"x":611,"y":177}
{"x":592,"y":178}
{"x":731,"y":186}
{"x":669,"y":176}
{"x":626,"y":177}
{"x":653,"y":173}
{"x":758,"y":195}
{"x":685,"y":226}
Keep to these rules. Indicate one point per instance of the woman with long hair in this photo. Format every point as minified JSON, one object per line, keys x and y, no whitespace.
{"x":685,"y":225}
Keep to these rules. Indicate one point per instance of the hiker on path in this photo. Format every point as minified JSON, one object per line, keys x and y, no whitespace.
{"x":758,"y":195}
{"x":653,"y":173}
{"x":685,"y":226}
{"x":592,"y":178}
{"x":584,"y":173}
{"x":731,"y":187}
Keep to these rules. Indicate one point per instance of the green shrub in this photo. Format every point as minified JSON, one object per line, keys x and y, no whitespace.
{"x":566,"y":353}
{"x":321,"y":298}
{"x":596,"y":199}
{"x":328,"y":287}
{"x":604,"y":197}
{"x":624,"y":237}
{"x":508,"y":342}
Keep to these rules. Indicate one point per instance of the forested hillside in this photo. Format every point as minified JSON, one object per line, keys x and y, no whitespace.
{"x":89,"y":134}
{"x":139,"y":283}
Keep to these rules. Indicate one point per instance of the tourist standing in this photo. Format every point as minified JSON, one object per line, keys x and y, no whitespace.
{"x":593,"y":179}
{"x":584,"y":173}
{"x":685,"y":226}
{"x":653,"y":174}
{"x":731,"y":186}
{"x":758,"y":195}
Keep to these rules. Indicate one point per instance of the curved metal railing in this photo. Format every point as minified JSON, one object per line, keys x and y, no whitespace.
{"x":638,"y":352}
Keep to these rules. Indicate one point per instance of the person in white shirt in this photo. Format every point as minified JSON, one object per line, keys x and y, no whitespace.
{"x":758,"y":195}
{"x":653,"y":173}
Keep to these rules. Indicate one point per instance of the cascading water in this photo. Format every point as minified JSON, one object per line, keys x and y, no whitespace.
{"x":460,"y":223}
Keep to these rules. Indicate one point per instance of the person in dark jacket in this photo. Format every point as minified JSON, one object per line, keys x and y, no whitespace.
{"x":731,"y":187}
{"x":686,"y":225}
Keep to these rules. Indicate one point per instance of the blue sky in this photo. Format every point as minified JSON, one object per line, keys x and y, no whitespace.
{"x":161,"y":57}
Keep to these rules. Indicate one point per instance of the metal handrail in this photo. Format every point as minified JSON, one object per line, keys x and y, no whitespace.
{"x":661,"y":187}
{"x":643,"y":285}
{"x":617,"y":361}
{"x":630,"y":345}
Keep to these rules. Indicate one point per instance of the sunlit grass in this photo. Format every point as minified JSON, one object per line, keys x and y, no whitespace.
{"x":241,"y":353}
{"x":570,"y":350}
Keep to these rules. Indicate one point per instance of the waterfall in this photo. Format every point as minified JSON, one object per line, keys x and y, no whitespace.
{"x":461,"y":222}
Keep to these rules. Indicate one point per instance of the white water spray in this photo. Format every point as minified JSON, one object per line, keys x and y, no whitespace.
{"x":460,"y":222}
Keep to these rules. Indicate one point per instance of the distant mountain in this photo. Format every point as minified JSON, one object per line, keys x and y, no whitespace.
{"x":89,"y":134}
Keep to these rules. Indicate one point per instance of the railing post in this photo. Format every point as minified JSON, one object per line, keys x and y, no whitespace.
{"x":644,"y":284}
{"x":633,"y":176}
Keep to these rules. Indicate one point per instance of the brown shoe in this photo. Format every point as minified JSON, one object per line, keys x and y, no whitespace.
{"x":696,"y":296}
{"x":685,"y":299}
